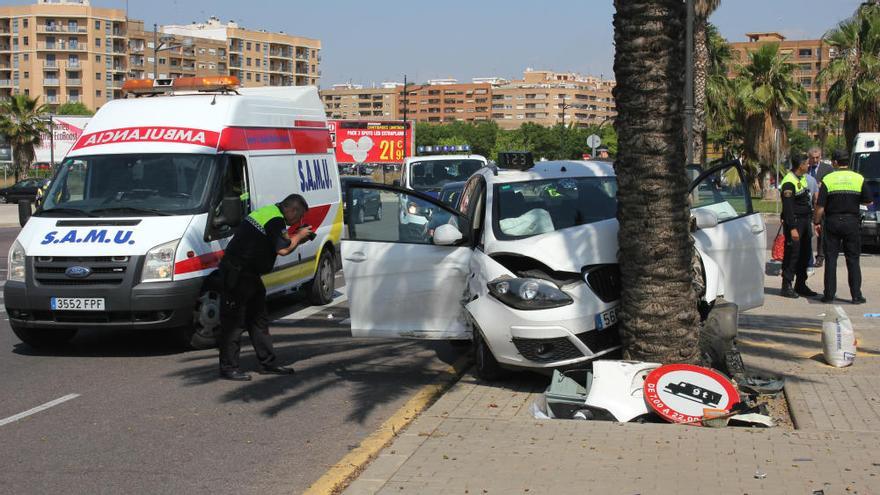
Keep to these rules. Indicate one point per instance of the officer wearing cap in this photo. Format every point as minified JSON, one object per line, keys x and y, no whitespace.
{"x":797,"y":210}
{"x":839,"y":197}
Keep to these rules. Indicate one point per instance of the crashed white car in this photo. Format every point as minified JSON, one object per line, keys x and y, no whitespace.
{"x":526,"y":265}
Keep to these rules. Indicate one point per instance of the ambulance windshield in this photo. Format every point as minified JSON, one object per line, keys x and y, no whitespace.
{"x":130,"y":185}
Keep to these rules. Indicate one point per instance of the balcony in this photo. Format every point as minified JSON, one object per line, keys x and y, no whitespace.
{"x":5,"y":48}
{"x":119,"y":49}
{"x":119,"y":33}
{"x":51,"y":82}
{"x":50,"y":64}
{"x":73,"y":64}
{"x":62,"y":47}
{"x":119,"y":68}
{"x":59,"y":28}
{"x":5,"y":83}
{"x":302,"y":56}
{"x":73,"y":82}
{"x":115,"y":84}
{"x":52,"y":99}
{"x":136,"y":49}
{"x":74,"y":99}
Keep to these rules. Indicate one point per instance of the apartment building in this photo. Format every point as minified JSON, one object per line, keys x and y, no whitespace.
{"x":446,"y":100}
{"x":63,"y":51}
{"x":160,"y":55}
{"x":259,"y":57}
{"x":810,"y":56}
{"x":550,"y":98}
{"x":354,"y":102}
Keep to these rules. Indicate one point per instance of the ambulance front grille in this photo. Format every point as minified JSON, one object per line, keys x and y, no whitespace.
{"x":105,"y":270}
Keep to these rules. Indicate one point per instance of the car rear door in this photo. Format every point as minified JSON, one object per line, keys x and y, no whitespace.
{"x":737,"y":243}
{"x":412,"y":288}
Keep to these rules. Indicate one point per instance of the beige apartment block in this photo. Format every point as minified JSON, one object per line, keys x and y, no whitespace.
{"x":810,"y":56}
{"x":353,"y":102}
{"x":550,"y":98}
{"x":446,"y":101}
{"x":259,"y":57}
{"x":63,"y":51}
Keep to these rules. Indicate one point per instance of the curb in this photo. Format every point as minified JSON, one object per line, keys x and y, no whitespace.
{"x":349,"y":467}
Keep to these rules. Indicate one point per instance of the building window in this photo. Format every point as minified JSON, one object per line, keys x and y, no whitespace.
{"x":24,"y":23}
{"x":97,"y":41}
{"x":97,"y":93}
{"x":805,"y":52}
{"x":248,"y":45}
{"x":26,"y":74}
{"x":803,"y":125}
{"x":97,"y":58}
{"x":248,"y":62}
{"x":248,"y":76}
{"x":257,"y":46}
{"x":97,"y":76}
{"x":257,"y":77}
{"x":97,"y":24}
{"x":26,"y":57}
{"x":24,"y":41}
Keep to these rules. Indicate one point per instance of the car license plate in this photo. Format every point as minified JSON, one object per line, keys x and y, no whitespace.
{"x":77,"y":303}
{"x":606,"y":319}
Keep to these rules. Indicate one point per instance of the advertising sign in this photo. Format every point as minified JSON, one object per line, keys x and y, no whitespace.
{"x":362,"y":141}
{"x":66,"y":131}
{"x":680,"y":392}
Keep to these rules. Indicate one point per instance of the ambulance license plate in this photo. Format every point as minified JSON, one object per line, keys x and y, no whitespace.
{"x":606,"y":319}
{"x":77,"y":303}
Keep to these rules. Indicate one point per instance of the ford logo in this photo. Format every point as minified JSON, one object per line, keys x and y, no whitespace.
{"x":78,"y":272}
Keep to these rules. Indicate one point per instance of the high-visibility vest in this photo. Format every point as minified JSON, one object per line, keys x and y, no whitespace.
{"x":843,"y":182}
{"x":261,"y":216}
{"x":801,"y":185}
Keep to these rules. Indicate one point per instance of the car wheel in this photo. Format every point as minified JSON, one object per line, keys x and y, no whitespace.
{"x":359,"y":216}
{"x":203,"y":332}
{"x":379,"y":214}
{"x":322,"y":287}
{"x":43,"y":338}
{"x":486,"y":365}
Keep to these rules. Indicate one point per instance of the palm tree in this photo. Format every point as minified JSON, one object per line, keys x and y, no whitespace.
{"x":702,"y":8}
{"x":722,"y":128}
{"x":854,"y":73}
{"x":21,"y":121}
{"x":658,"y":315}
{"x":765,"y":92}
{"x":822,"y":121}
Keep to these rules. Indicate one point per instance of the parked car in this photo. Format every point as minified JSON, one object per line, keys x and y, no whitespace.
{"x":526,"y":267}
{"x":365,"y":202}
{"x":866,"y":161}
{"x":23,"y":189}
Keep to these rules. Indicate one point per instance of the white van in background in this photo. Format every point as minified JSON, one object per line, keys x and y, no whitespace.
{"x":140,"y":210}
{"x":866,"y":161}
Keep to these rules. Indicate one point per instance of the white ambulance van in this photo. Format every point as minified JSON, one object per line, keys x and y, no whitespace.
{"x":141,"y":208}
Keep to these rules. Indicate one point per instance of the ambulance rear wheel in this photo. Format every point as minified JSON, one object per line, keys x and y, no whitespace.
{"x":43,"y":338}
{"x":324,"y":284}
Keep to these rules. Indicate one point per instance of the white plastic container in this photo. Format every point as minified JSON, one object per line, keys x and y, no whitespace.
{"x":838,"y":339}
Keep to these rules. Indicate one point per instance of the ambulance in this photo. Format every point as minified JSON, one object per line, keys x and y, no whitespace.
{"x":140,"y":210}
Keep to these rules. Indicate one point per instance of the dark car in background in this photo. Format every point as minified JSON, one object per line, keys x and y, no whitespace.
{"x":449,"y":194}
{"x":366,"y":202}
{"x":24,"y":189}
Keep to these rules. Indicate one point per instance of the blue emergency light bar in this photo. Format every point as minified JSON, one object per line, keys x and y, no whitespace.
{"x":446,"y":148}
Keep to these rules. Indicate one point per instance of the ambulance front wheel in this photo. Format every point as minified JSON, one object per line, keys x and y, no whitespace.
{"x":43,"y":338}
{"x":321,"y":288}
{"x":206,"y":321}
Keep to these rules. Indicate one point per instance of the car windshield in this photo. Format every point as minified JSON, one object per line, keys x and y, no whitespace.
{"x":130,"y":185}
{"x":431,"y":175}
{"x":525,"y":209}
{"x":867,"y":164}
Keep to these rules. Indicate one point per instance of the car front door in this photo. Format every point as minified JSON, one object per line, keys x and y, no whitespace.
{"x":731,"y":232}
{"x":405,"y":288}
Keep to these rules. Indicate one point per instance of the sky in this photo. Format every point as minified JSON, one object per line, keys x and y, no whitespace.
{"x":367,"y":42}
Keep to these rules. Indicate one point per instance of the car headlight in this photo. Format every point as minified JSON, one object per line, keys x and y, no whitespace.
{"x":354,"y":202}
{"x":159,"y":263}
{"x":415,"y":209}
{"x":528,"y":293}
{"x":16,"y":263}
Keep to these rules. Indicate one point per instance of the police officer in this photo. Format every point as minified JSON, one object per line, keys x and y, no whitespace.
{"x":839,"y":197}
{"x":251,"y":253}
{"x":797,"y":210}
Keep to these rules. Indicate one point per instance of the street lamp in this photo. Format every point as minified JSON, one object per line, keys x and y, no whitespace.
{"x":165,"y":43}
{"x":564,"y":106}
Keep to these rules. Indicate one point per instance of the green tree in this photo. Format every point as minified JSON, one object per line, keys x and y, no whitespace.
{"x":73,"y":108}
{"x":854,"y":74}
{"x":658,"y":315}
{"x":722,"y":129}
{"x":765,"y":91}
{"x":702,"y":67}
{"x":823,"y":121}
{"x":22,"y":122}
{"x":799,"y":141}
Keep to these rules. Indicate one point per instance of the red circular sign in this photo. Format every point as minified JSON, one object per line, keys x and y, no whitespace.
{"x":680,"y":392}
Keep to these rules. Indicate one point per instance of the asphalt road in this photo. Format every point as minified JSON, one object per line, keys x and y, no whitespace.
{"x":151,"y":419}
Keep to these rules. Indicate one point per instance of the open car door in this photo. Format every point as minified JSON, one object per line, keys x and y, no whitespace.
{"x":405,"y":279}
{"x":730,"y":232}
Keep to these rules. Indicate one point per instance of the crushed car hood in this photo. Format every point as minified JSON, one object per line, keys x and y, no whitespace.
{"x":566,"y":250}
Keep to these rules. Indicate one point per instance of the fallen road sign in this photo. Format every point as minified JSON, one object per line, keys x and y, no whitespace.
{"x":680,"y":392}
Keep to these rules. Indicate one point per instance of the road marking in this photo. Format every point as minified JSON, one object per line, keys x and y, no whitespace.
{"x":12,"y":419}
{"x":347,"y":469}
{"x":313,"y":310}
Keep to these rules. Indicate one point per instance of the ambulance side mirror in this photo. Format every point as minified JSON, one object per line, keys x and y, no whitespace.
{"x":230,"y":212}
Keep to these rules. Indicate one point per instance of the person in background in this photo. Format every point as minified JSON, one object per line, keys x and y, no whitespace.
{"x":797,"y":211}
{"x":818,"y":170}
{"x":840,"y":195}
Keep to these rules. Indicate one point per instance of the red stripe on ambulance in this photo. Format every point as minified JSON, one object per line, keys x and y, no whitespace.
{"x":184,"y":135}
{"x":304,"y":141}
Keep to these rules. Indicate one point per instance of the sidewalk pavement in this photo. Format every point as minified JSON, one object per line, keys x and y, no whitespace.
{"x":480,"y":438}
{"x":9,"y":215}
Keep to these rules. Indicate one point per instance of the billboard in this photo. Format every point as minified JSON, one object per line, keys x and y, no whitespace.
{"x":363,"y":141}
{"x":66,"y":131}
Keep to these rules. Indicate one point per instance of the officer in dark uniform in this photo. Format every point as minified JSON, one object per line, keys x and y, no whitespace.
{"x":250,"y":254}
{"x":797,"y":212}
{"x":839,"y":197}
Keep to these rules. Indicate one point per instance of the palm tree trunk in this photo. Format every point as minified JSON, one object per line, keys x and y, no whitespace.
{"x":701,"y":68}
{"x":659,"y":321}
